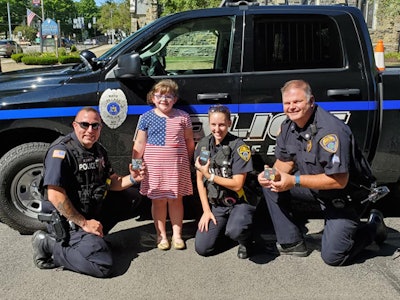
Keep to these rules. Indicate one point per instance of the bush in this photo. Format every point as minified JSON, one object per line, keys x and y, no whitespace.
{"x":17,"y":57}
{"x":392,"y":57}
{"x":69,"y":59}
{"x":73,"y":48}
{"x":40,"y":60}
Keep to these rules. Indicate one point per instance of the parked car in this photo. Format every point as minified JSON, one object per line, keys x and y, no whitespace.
{"x":66,"y":43}
{"x":8,"y":48}
{"x":90,"y":42}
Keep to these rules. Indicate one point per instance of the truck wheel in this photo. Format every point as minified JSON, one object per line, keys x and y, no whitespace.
{"x":20,"y":200}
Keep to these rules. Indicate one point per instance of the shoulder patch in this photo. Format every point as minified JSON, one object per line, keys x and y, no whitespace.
{"x":244,"y":152}
{"x":58,"y":154}
{"x":330,"y":143}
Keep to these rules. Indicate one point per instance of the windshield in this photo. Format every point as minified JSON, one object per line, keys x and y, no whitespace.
{"x":124,"y":42}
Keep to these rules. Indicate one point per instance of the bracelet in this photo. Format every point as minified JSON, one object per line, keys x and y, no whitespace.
{"x":297,"y":180}
{"x":133,"y":181}
{"x":211,"y":179}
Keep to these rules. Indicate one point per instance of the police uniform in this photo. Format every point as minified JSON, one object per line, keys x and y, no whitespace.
{"x":322,"y":146}
{"x":235,"y":215}
{"x":83,"y":174}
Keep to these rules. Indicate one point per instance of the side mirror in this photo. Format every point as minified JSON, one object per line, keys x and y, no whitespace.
{"x":89,"y":59}
{"x":129,"y":66}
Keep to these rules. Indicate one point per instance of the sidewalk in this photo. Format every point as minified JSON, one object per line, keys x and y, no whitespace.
{"x":8,"y":65}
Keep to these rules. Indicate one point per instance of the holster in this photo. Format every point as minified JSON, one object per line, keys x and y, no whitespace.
{"x":59,"y":225}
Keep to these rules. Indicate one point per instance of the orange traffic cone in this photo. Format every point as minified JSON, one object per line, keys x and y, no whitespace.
{"x":380,"y":56}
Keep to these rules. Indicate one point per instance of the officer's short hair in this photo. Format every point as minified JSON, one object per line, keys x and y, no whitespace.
{"x":299,"y":84}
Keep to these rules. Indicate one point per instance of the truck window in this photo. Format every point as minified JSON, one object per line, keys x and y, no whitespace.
{"x":287,"y":42}
{"x":198,"y":46}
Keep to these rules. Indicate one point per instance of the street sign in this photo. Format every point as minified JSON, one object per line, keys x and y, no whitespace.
{"x":49,"y":27}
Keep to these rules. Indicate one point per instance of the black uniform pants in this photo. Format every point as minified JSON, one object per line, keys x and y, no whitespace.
{"x":237,"y":222}
{"x":88,"y":253}
{"x":343,"y":237}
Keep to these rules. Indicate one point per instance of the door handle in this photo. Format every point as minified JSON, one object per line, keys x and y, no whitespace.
{"x":343,"y":92}
{"x":213,"y":97}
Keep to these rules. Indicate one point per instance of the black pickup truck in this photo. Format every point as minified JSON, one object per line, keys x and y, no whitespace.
{"x":239,"y":55}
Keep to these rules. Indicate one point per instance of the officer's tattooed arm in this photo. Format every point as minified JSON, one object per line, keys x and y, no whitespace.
{"x":58,"y":197}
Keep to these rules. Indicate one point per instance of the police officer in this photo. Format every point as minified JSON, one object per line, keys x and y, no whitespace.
{"x":313,"y":152}
{"x":220,"y":181}
{"x":77,"y":177}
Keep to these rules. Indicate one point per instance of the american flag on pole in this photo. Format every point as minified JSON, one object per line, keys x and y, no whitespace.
{"x":30,"y":15}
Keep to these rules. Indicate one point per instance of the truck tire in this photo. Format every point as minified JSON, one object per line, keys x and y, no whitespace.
{"x":20,"y":200}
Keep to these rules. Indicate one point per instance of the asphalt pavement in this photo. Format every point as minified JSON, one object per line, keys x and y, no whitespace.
{"x":144,"y":272}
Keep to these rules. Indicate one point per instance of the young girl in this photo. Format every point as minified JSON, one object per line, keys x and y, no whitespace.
{"x":165,"y":142}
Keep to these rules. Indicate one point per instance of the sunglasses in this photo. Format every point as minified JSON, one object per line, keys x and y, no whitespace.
{"x":219,"y":108}
{"x":86,"y":125}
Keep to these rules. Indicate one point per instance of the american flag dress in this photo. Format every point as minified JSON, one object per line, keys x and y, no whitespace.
{"x":166,"y":155}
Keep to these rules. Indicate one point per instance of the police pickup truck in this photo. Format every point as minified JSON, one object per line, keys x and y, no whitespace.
{"x":239,"y":55}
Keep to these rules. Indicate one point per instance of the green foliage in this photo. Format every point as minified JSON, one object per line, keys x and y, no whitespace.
{"x":68,"y":59}
{"x":392,"y":57}
{"x":115,"y":16}
{"x":388,"y":8}
{"x":40,"y":60}
{"x":49,"y":58}
{"x":17,"y":57}
{"x":73,"y":48}
{"x":172,"y":6}
{"x":28,"y":33}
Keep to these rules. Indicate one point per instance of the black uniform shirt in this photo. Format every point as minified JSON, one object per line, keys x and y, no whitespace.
{"x":322,"y":146}
{"x":240,"y":162}
{"x":62,"y":167}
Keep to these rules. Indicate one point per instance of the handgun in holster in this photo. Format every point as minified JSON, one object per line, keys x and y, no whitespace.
{"x":59,"y":225}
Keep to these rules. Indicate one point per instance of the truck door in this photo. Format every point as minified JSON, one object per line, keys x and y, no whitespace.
{"x":323,"y":50}
{"x":197,"y":53}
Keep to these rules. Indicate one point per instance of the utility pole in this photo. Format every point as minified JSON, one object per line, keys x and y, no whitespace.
{"x":9,"y":20}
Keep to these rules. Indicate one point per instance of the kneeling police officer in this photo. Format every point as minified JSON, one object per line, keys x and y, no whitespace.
{"x":80,"y":204}
{"x":220,"y":182}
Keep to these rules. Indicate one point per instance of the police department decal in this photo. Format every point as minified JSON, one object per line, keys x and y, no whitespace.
{"x":113,"y":107}
{"x":330,"y":143}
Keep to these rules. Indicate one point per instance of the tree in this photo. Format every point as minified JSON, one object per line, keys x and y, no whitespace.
{"x":171,"y":6}
{"x":28,"y":32}
{"x":17,"y":14}
{"x":115,"y":15}
{"x":88,"y":10}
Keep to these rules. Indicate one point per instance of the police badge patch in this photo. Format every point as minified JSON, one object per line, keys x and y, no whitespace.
{"x":244,"y":152}
{"x":330,"y":143}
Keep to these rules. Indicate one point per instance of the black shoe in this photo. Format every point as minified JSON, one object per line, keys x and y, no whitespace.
{"x":295,"y":249}
{"x":42,"y":245}
{"x":376,"y":217}
{"x":243,"y":252}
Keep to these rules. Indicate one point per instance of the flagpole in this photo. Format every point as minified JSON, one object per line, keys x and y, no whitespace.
{"x":40,"y":29}
{"x":9,"y":20}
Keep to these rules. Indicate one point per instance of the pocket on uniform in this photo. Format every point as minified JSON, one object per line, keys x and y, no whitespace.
{"x":309,"y":158}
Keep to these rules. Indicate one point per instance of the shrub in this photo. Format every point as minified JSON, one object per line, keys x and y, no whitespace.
{"x":40,"y":60}
{"x":17,"y":57}
{"x":69,"y":59}
{"x":73,"y":48}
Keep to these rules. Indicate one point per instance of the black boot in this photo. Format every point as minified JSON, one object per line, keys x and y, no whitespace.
{"x":376,"y":218}
{"x":43,"y":244}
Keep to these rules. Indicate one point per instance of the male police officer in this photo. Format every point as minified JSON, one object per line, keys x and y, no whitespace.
{"x":313,"y":152}
{"x":77,"y":176}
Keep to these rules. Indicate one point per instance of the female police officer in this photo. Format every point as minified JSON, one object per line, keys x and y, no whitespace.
{"x":220,"y":181}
